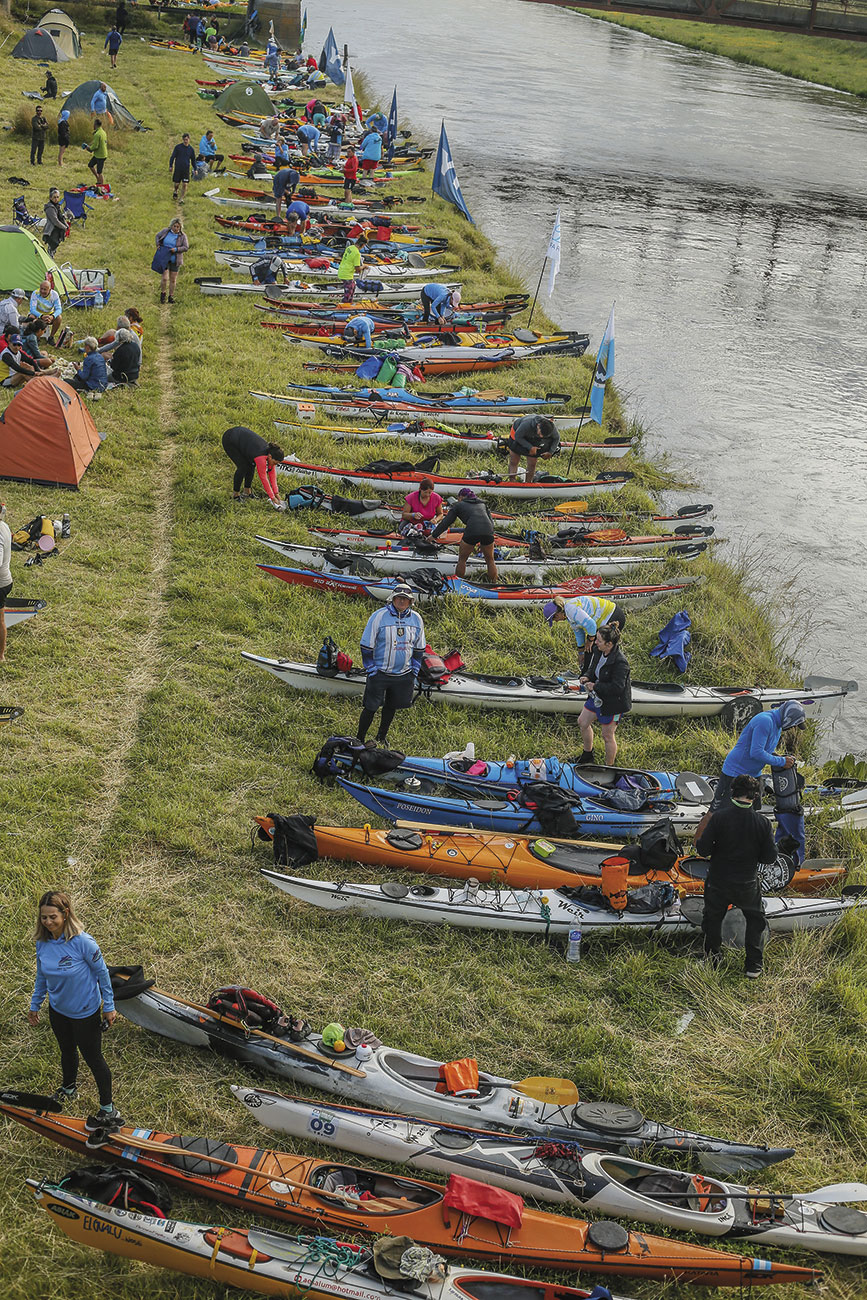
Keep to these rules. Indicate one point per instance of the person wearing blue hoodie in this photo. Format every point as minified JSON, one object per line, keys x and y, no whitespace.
{"x":71,"y":972}
{"x":755,"y":749}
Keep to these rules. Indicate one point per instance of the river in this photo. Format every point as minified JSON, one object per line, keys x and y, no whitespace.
{"x":722,"y":208}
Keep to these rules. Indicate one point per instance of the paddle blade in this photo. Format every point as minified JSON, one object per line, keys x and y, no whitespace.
{"x":837,"y":1193}
{"x":29,"y":1100}
{"x":561,"y":1092}
{"x":570,"y":507}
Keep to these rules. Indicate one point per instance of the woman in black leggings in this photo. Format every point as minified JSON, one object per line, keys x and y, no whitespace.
{"x":71,"y":971}
{"x":251,"y":454}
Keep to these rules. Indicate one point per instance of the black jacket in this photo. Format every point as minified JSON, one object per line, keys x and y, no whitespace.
{"x":125,"y":363}
{"x":476,"y":518}
{"x":245,"y":442}
{"x":736,"y":840}
{"x":62,"y":133}
{"x":613,"y":680}
{"x":526,"y":439}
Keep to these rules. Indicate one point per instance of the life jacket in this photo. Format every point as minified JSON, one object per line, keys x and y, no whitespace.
{"x":674,"y":638}
{"x":254,"y":1011}
{"x":120,"y":1187}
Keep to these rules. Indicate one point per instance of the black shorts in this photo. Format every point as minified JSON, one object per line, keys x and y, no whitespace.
{"x":179,"y":177}
{"x":4,"y":592}
{"x":349,"y":185}
{"x":97,"y":165}
{"x":395,"y":690}
{"x":487,"y":539}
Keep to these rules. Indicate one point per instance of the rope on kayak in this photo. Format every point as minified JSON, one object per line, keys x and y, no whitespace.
{"x":332,"y":1258}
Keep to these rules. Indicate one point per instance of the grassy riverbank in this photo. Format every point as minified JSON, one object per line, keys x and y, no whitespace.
{"x":147,"y":746}
{"x":829,"y":62}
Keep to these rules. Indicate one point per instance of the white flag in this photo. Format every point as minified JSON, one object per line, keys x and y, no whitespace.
{"x":350,"y":95}
{"x":553,"y":254}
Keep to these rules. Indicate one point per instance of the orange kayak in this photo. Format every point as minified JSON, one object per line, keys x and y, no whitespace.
{"x":514,"y":860}
{"x":462,"y":1218}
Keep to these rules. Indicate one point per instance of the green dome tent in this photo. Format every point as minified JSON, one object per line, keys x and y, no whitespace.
{"x":79,"y":102}
{"x":24,"y":263}
{"x":63,"y":29}
{"x":244,"y":97}
{"x":38,"y":44}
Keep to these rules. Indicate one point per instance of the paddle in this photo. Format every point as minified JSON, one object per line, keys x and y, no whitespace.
{"x":570,"y":507}
{"x":837,"y":1193}
{"x":29,"y":1101}
{"x":562,"y":1091}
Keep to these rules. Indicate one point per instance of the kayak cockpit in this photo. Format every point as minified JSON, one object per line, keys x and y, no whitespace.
{"x":424,"y":1076}
{"x":373,"y":1192}
{"x":564,"y":858}
{"x":513,"y":1288}
{"x":669,"y":1187}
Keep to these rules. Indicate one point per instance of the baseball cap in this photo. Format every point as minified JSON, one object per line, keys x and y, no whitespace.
{"x":403,"y":589}
{"x":18,"y":293}
{"x":549,"y":609}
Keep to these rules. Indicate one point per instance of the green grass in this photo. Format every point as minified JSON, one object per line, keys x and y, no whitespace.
{"x":147,"y":747}
{"x":825,"y":60}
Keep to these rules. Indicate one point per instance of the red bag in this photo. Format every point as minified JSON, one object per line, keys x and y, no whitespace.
{"x":482,"y":1202}
{"x":344,"y":663}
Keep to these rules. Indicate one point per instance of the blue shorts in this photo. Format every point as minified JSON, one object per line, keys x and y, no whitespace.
{"x":604,"y":718}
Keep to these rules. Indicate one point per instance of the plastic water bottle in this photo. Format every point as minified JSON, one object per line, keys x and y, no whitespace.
{"x":510,"y":761}
{"x":573,"y":949}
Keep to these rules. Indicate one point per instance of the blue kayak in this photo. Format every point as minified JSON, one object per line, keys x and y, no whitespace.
{"x":405,"y":397}
{"x":511,"y":816}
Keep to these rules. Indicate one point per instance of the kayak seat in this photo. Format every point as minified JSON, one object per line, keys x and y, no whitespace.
{"x":367,"y":1187}
{"x":673,"y":1188}
{"x":565,"y":859}
{"x":199,"y":1149}
{"x":234,"y":1244}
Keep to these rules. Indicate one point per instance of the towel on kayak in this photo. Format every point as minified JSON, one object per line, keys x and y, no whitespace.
{"x":672,"y":643}
{"x":482,"y":1202}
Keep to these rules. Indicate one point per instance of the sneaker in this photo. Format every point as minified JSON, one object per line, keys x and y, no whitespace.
{"x":753,"y":972}
{"x":61,"y":1095}
{"x":107,"y":1120}
{"x":162,"y":297}
{"x":171,"y":299}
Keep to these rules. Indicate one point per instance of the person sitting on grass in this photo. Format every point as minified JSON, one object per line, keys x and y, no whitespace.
{"x":31,"y":340}
{"x":19,"y":367}
{"x":49,"y":90}
{"x":45,"y":303}
{"x":92,"y":375}
{"x":208,"y":152}
{"x":125,"y":361}
{"x":136,"y":323}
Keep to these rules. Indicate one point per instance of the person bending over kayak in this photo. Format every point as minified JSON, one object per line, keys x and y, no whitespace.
{"x":736,"y":839}
{"x":422,"y":509}
{"x":585,"y":615}
{"x":251,"y":453}
{"x":439,"y":303}
{"x":285,"y":183}
{"x":71,"y":971}
{"x":533,"y":437}
{"x":754,"y":749}
{"x":478,"y":532}
{"x":392,"y":648}
{"x":607,"y":678}
{"x":359,"y":329}
{"x":297,"y":211}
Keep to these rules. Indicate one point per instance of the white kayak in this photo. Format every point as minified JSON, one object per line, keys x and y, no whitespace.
{"x":472,"y":906}
{"x":734,"y":706}
{"x":406,"y":559}
{"x":383,"y":539}
{"x":19,"y":610}
{"x":600,"y":1183}
{"x":450,"y":486}
{"x":238,"y":262}
{"x":423,"y":436}
{"x":300,"y":289}
{"x":397,"y":412}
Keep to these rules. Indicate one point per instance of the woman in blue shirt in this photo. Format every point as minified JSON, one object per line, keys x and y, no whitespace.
{"x":71,"y":971}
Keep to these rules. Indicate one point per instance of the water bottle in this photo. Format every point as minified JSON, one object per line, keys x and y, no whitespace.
{"x":510,"y":761}
{"x":573,"y":950}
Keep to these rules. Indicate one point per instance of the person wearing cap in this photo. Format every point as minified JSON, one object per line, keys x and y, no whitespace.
{"x":755,"y":748}
{"x":585,"y":615}
{"x":45,"y":303}
{"x":736,"y":839}
{"x":534,"y":437}
{"x":608,"y":682}
{"x":10,"y":312}
{"x":392,"y":649}
{"x":359,"y":329}
{"x":438,"y":303}
{"x":478,"y":532}
{"x":19,"y":367}
{"x":62,"y":137}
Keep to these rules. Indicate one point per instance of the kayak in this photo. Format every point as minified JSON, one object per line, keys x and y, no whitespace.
{"x":441,"y":359}
{"x":462,"y":1218}
{"x":733,"y":705}
{"x":546,"y":913}
{"x":269,"y":1263}
{"x":407,"y":1082}
{"x":521,"y":862}
{"x":449,"y":485}
{"x":434,"y":586}
{"x":616,"y":539}
{"x":432,"y":436}
{"x":214,"y":286}
{"x":19,"y":610}
{"x":403,"y":560}
{"x":398,"y":410}
{"x":477,"y":401}
{"x":594,"y":1181}
{"x":407,"y":311}
{"x":9,"y":713}
{"x":420,"y":338}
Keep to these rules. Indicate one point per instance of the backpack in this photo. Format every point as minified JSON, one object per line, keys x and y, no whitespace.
{"x":552,"y":808}
{"x":120,"y":1187}
{"x":433,"y":671}
{"x":303,"y":497}
{"x":657,"y":849}
{"x":337,"y":756}
{"x":326,"y":660}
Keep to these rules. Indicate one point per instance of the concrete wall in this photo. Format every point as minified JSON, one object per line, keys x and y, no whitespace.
{"x":286,"y":17}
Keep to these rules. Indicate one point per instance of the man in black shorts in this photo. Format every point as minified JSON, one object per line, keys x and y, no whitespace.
{"x":181,"y":165}
{"x":736,"y":840}
{"x":5,"y":575}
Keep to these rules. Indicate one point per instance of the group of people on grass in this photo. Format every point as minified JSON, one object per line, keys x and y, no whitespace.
{"x":109,"y":362}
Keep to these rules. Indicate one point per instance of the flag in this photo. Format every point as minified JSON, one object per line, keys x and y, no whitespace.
{"x":391,"y":134}
{"x":329,"y":60}
{"x":604,"y":370}
{"x":349,"y":94}
{"x":445,"y":181}
{"x":553,"y":254}
{"x":303,"y":27}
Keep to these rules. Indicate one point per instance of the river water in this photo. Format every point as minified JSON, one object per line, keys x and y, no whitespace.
{"x":722,"y":208}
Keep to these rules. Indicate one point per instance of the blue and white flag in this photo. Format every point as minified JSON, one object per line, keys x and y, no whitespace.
{"x":391,"y":134}
{"x":445,"y":180}
{"x":553,"y":254}
{"x":329,"y":60}
{"x":303,"y":27}
{"x":604,"y":370}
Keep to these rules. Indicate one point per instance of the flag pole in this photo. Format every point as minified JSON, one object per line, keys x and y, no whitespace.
{"x":581,"y":418}
{"x":536,"y":295}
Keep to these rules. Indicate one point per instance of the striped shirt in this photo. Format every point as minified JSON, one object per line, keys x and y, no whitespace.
{"x":390,"y":640}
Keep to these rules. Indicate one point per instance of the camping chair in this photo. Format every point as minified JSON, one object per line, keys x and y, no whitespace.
{"x":20,"y":215}
{"x":74,"y":203}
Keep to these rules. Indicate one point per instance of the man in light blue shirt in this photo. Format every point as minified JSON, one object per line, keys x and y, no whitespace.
{"x":208,"y":151}
{"x":45,"y":302}
{"x":99,"y":101}
{"x":392,"y":649}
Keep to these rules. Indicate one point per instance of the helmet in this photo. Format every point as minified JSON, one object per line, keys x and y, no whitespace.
{"x":792,"y":715}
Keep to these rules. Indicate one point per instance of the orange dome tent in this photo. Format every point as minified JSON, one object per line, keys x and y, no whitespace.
{"x":47,"y":434}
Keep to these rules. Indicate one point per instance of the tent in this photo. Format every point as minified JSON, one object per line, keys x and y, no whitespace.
{"x":25,"y":263}
{"x":65,"y":33}
{"x":47,"y":434}
{"x":37,"y":44}
{"x":244,"y":97}
{"x":79,"y":102}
